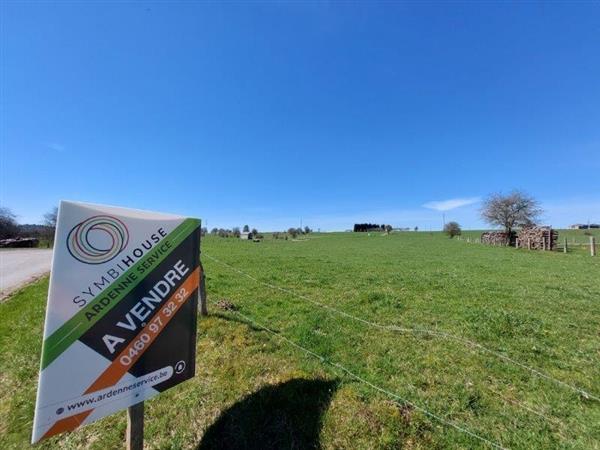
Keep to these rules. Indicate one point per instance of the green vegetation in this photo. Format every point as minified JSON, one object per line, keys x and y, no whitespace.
{"x":253,"y":388}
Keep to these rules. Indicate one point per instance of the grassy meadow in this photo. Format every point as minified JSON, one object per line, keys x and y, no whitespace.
{"x":339,"y":296}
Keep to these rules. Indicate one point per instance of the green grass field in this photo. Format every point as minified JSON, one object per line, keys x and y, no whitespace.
{"x":412,"y":316}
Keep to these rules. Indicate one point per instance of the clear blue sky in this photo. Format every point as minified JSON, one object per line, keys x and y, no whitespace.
{"x":333,"y":113}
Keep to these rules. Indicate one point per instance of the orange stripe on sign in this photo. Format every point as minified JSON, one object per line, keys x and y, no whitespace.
{"x":136,"y":348}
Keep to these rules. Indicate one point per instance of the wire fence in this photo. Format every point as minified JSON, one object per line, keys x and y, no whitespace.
{"x":395,"y":397}
{"x":416,"y":331}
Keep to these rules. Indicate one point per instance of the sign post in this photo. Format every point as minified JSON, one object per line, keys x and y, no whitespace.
{"x":202,"y":293}
{"x":135,"y":427}
{"x":121,"y":317}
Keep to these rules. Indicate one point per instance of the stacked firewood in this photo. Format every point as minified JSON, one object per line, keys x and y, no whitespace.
{"x":538,"y":238}
{"x":497,"y":238}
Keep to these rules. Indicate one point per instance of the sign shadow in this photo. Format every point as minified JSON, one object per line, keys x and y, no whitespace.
{"x":287,"y":415}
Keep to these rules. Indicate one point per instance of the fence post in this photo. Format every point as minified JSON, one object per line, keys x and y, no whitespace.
{"x":134,"y":439}
{"x":592,"y":246}
{"x":202,"y":292}
{"x":565,"y":247}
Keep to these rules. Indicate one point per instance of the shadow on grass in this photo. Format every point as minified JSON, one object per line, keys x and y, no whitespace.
{"x":282,"y":416}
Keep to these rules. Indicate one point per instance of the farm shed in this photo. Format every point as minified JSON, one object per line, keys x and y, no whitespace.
{"x":582,"y":226}
{"x":246,"y":236}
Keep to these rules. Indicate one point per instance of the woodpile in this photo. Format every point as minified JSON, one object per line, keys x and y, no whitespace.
{"x":538,"y":238}
{"x":497,"y":238}
{"x":19,"y":242}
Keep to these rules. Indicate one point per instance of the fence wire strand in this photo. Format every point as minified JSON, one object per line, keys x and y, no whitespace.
{"x":396,"y":398}
{"x":394,"y":328}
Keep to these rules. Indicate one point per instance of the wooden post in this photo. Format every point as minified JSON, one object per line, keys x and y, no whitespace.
{"x":517,"y":243}
{"x":565,"y":247}
{"x":592,"y":246}
{"x":528,"y":243}
{"x":202,"y":292}
{"x":544,"y":243}
{"x":135,"y":427}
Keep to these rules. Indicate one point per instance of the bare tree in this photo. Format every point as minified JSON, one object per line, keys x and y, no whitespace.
{"x":452,"y":229}
{"x":516,"y":209}
{"x":8,"y":224}
{"x":50,"y":217}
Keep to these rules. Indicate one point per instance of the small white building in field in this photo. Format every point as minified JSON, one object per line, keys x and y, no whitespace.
{"x":246,"y":236}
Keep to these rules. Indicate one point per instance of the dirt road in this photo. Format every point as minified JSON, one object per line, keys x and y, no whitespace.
{"x":20,"y":266}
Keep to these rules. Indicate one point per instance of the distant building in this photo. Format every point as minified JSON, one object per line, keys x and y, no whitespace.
{"x":584,"y":226}
{"x":246,"y":236}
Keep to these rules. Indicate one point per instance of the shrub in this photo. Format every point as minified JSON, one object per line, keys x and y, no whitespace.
{"x":452,"y":229}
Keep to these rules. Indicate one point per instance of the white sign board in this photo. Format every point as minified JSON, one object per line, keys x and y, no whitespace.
{"x":121,"y":316}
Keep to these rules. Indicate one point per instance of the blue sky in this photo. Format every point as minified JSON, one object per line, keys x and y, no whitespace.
{"x":332,"y":113}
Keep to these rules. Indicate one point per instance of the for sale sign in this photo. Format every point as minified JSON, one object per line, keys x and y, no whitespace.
{"x":121,"y":317}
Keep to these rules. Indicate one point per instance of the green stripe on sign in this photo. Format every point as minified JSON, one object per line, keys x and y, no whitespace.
{"x":77,"y":325}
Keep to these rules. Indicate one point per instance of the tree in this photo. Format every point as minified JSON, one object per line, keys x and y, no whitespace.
{"x":307,"y":230}
{"x":50,"y":217}
{"x":416,"y":228}
{"x":254,"y":231}
{"x":236,"y":232}
{"x":293,"y":232}
{"x":516,"y":209}
{"x":246,"y":228}
{"x":214,"y":231}
{"x":388,"y":229}
{"x":8,"y":224}
{"x":452,"y":229}
{"x":203,"y":231}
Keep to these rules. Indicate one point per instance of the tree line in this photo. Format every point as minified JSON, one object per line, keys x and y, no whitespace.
{"x":236,"y":233}
{"x":10,"y":228}
{"x":364,"y":227}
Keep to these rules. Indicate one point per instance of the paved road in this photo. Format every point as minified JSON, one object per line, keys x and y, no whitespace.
{"x":20,"y":266}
